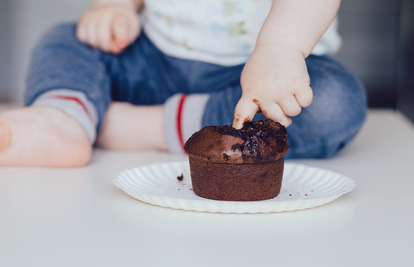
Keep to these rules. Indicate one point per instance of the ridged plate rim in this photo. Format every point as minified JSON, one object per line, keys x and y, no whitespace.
{"x":303,"y":187}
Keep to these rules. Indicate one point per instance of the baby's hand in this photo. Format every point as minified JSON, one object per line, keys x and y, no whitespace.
{"x":110,"y":27}
{"x":274,"y":80}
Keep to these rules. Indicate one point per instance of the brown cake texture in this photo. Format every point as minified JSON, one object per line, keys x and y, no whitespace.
{"x":238,"y":165}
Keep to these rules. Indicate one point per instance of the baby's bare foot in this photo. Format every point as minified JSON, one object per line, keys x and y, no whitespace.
{"x":43,"y":137}
{"x":130,"y":127}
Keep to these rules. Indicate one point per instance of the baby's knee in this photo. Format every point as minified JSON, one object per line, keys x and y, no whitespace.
{"x":321,"y":134}
{"x":59,"y":36}
{"x":336,"y":114}
{"x":339,"y":98}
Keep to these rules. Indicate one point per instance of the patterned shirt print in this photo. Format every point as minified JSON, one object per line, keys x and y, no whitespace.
{"x":222,"y":32}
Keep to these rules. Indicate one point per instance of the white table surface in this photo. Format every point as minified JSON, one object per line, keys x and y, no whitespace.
{"x":77,"y":217}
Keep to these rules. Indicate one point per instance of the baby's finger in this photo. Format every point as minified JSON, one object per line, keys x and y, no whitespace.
{"x":81,"y":32}
{"x":92,"y":30}
{"x":120,"y":33}
{"x":134,"y":28}
{"x":304,"y":96}
{"x":104,"y":34}
{"x":245,"y":111}
{"x":290,"y":106}
{"x":274,"y":112}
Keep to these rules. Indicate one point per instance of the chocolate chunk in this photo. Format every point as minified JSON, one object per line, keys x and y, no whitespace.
{"x":255,"y":134}
{"x":180,"y":177}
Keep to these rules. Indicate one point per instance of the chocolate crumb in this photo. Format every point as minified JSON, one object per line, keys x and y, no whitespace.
{"x":180,"y":177}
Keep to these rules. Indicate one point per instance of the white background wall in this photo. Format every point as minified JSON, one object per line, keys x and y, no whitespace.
{"x":22,"y":23}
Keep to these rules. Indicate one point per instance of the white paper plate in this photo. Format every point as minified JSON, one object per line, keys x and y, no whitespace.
{"x":303,"y":187}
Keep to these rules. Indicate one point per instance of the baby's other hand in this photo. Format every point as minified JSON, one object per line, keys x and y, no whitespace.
{"x":110,"y":28}
{"x":274,"y":80}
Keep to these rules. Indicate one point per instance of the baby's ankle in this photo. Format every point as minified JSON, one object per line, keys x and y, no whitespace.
{"x":5,"y":136}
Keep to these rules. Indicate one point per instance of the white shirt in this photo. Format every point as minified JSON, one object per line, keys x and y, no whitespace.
{"x":222,"y":32}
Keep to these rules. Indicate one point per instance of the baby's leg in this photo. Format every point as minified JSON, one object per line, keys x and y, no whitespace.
{"x":133,"y":127}
{"x":160,"y":127}
{"x":320,"y":130}
{"x":68,"y":93}
{"x":42,"y":136}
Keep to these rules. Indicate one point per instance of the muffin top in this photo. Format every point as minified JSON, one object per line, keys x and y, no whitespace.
{"x":258,"y":141}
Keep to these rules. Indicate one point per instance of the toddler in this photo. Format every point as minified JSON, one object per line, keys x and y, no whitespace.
{"x":135,"y":74}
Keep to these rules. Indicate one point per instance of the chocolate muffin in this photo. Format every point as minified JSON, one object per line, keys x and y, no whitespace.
{"x":238,"y":165}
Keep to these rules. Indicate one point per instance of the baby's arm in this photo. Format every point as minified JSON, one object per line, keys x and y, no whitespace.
{"x":110,"y":25}
{"x":275,"y":78}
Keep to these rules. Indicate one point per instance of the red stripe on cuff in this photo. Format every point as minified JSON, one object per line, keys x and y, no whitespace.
{"x":179,"y":121}
{"x":77,"y":100}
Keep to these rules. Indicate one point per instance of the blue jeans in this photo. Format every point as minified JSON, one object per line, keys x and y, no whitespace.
{"x":143,"y":75}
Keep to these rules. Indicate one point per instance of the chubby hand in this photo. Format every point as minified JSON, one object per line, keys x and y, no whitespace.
{"x":274,"y":80}
{"x":110,"y":28}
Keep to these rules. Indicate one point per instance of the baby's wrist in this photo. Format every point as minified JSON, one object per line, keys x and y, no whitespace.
{"x":280,"y":46}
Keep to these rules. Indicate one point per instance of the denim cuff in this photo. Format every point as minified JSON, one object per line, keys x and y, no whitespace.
{"x":75,"y":104}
